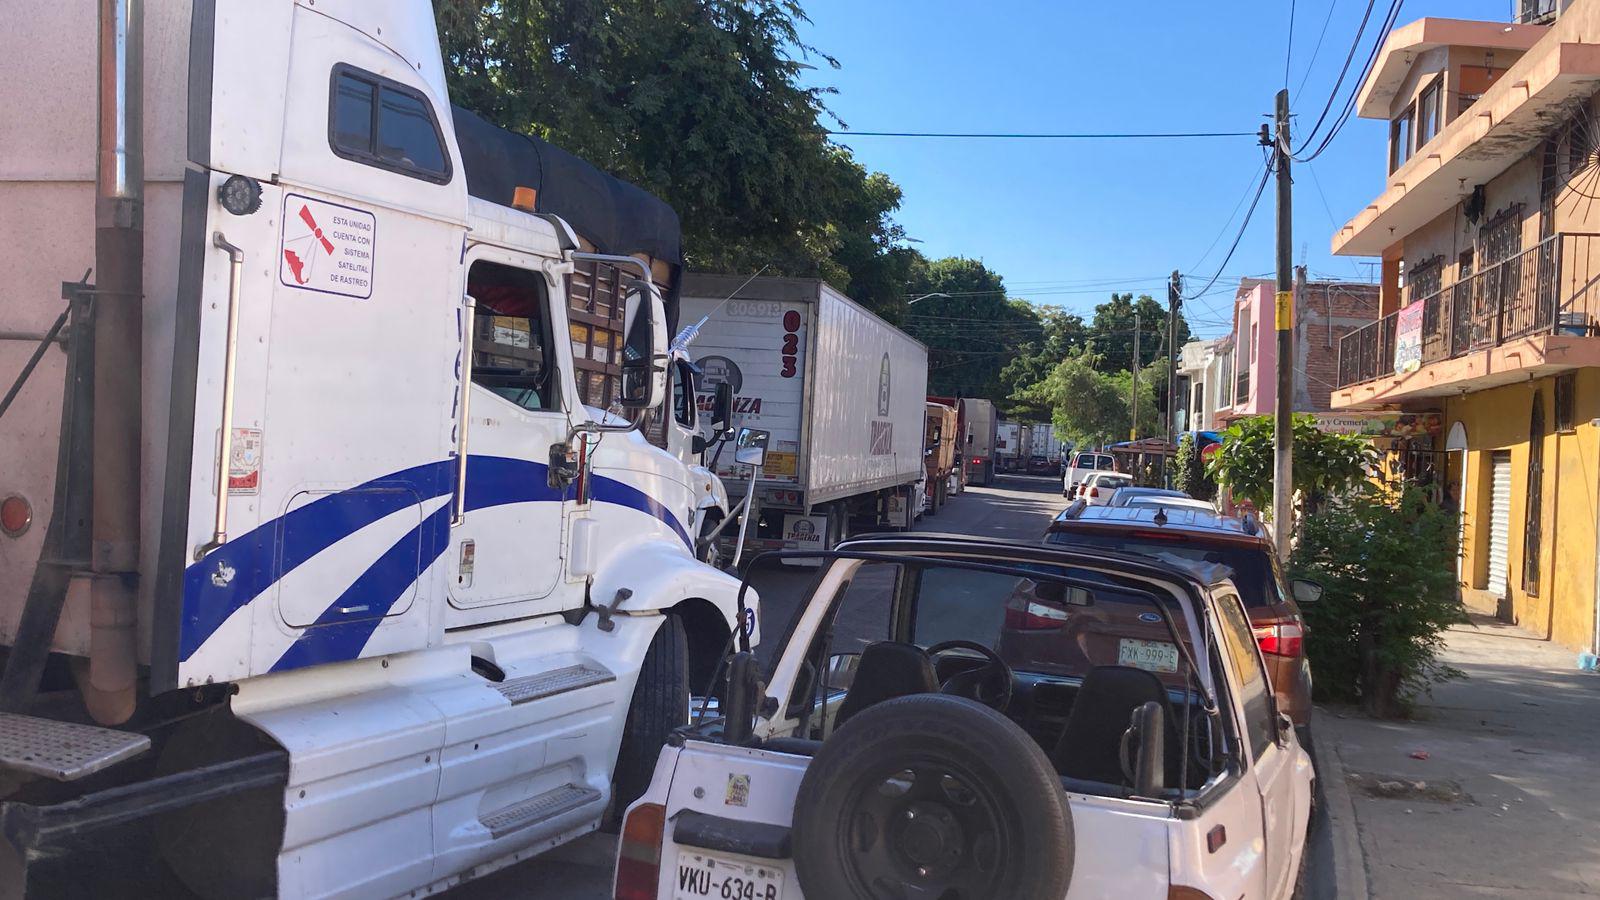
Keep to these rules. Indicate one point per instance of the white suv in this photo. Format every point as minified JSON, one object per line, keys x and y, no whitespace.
{"x":961,"y":717}
{"x":1083,"y":465}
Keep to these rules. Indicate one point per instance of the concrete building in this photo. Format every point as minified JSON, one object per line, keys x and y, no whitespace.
{"x":1199,"y":378}
{"x":1325,"y":311}
{"x":1490,"y":241}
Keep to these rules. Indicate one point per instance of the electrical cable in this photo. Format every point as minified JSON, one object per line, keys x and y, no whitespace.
{"x":1122,"y":135}
{"x":1261,"y":188}
{"x":1312,"y":63}
{"x":1350,"y":102}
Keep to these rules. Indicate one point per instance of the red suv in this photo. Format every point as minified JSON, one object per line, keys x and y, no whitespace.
{"x":1194,"y":535}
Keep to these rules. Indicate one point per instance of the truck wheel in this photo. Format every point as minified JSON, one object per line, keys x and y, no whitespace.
{"x":660,"y":704}
{"x":932,"y":795}
{"x":838,"y":526}
{"x":711,"y":554}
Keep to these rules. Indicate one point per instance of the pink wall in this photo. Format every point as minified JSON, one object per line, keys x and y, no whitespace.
{"x":1253,"y":310}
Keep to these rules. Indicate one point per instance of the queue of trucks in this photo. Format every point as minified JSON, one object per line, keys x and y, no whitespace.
{"x":424,"y":596}
{"x":1032,"y":449}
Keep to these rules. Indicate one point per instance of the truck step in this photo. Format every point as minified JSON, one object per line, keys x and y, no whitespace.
{"x":556,"y":681}
{"x":538,"y":808}
{"x":64,"y":751}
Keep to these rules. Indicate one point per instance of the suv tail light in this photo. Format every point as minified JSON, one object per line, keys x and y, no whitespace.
{"x":1026,"y":615}
{"x":1282,"y":639}
{"x":639,"y":852}
{"x":1094,"y":492}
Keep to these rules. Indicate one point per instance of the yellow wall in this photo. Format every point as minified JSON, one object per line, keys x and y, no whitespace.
{"x":1498,"y":419}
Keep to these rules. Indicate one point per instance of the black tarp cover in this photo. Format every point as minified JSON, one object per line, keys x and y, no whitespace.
{"x":617,"y":217}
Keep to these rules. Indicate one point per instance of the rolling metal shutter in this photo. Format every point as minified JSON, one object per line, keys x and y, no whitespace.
{"x":1499,"y":521}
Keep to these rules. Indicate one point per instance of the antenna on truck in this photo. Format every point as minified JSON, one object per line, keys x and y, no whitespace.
{"x":682,"y":341}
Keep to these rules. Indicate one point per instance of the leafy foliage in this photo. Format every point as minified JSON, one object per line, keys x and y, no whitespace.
{"x":700,"y":102}
{"x":1387,"y":563}
{"x":1190,"y":475}
{"x":1324,"y":463}
{"x":1089,"y":407}
{"x":972,"y":333}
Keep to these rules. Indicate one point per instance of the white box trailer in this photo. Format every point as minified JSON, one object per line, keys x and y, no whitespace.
{"x":1007,"y":443}
{"x":375,"y":601}
{"x":1044,"y":450}
{"x":841,"y":391}
{"x":977,"y":450}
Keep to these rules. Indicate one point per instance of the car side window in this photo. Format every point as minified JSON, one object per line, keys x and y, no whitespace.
{"x":380,"y":122}
{"x":863,"y":615}
{"x":1255,"y":693}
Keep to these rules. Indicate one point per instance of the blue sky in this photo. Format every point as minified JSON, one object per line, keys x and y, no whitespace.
{"x":1065,"y":222}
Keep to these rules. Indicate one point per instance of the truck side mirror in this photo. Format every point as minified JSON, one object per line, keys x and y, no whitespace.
{"x":750,"y":447}
{"x":722,"y":411}
{"x":563,"y":467}
{"x":644,"y":349}
{"x":1305,"y":591}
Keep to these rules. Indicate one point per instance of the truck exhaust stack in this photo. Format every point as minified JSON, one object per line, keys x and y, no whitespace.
{"x":108,"y":682}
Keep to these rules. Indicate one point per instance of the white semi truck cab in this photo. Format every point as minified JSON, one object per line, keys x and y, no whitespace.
{"x":352,"y":554}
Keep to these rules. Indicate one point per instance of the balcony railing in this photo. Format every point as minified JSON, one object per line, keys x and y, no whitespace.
{"x":1550,"y":288}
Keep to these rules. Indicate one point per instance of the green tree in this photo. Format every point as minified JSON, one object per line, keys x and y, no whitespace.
{"x":1190,"y":474}
{"x":1087,"y":406}
{"x":1063,"y":334}
{"x":1111,"y":329}
{"x":700,"y":102}
{"x":1323,"y":463}
{"x":973,"y":331}
{"x":1387,"y":564}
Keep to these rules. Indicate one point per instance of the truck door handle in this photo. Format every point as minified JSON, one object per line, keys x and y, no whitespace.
{"x":469,"y":306}
{"x":219,"y":531}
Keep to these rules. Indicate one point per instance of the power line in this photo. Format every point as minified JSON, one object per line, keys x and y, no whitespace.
{"x":1123,"y":135}
{"x":1288,"y":45}
{"x":1344,"y":71}
{"x":1312,"y":63}
{"x":1261,"y":188}
{"x":1355,"y":89}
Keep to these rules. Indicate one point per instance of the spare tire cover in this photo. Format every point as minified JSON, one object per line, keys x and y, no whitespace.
{"x":932,"y":795}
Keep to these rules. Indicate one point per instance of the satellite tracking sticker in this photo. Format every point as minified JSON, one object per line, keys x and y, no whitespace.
{"x":327,"y":247}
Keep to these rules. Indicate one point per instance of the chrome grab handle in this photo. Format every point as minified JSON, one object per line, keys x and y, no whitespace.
{"x":219,"y":533}
{"x":470,"y":305}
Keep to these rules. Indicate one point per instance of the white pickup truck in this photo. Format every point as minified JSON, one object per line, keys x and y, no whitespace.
{"x":965,"y":718}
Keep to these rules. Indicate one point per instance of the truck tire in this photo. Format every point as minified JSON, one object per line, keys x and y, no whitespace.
{"x":660,"y":704}
{"x":838,"y":526}
{"x":711,"y":555}
{"x":981,"y":815}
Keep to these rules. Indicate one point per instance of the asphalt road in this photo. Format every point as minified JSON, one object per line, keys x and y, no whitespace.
{"x":1014,"y":507}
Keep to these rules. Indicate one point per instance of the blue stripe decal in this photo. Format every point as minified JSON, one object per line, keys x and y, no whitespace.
{"x":306,"y":531}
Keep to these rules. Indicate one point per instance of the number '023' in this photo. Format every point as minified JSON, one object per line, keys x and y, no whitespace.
{"x":791,"y":342}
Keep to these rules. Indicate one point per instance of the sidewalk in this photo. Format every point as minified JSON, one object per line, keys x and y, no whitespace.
{"x":1507,"y":802}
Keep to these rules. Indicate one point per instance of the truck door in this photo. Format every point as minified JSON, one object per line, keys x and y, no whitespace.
{"x":313,"y":369}
{"x":507,"y":548}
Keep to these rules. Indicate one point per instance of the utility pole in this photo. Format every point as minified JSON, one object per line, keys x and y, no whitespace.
{"x":1283,"y":316}
{"x":1174,"y":300}
{"x":1133,"y":394}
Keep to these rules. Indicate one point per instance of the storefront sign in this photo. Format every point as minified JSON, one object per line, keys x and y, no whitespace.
{"x":1381,"y":424}
{"x":1408,"y":339}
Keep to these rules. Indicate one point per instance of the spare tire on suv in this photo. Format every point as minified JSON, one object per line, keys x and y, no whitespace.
{"x":932,"y":795}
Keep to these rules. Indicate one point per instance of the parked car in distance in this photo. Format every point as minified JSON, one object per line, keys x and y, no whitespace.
{"x":1083,"y":464}
{"x":1168,"y":502}
{"x":1124,"y":496}
{"x":1205,"y":536}
{"x":1097,"y":489}
{"x":960,"y":717}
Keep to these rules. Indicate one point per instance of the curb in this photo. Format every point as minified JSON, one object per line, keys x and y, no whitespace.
{"x":1349,"y":863}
